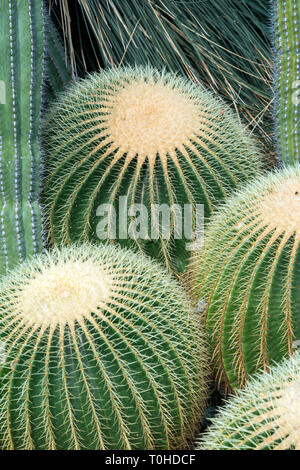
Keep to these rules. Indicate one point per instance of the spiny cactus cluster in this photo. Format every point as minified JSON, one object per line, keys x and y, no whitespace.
{"x":99,"y":346}
{"x":152,"y":137}
{"x":248,"y":275}
{"x":21,"y":72}
{"x":286,"y":21}
{"x":264,"y":416}
{"x":103,"y":351}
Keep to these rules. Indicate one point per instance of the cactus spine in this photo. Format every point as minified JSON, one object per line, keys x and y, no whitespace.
{"x":21,"y":70}
{"x":152,"y":137}
{"x":248,"y":276}
{"x":287,"y":78}
{"x":103,"y":351}
{"x":263,"y":416}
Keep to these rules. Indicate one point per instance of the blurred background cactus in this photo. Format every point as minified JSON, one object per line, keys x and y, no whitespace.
{"x":247,"y":276}
{"x":154,"y":138}
{"x":21,"y":73}
{"x":286,"y":22}
{"x":263,"y":416}
{"x":103,"y":351}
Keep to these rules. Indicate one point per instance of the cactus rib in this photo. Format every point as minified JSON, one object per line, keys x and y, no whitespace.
{"x":58,"y":71}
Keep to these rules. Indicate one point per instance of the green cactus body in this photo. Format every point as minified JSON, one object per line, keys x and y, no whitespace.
{"x":102,"y":351}
{"x":21,"y":70}
{"x":58,"y":71}
{"x":248,"y":277}
{"x":263,"y":416}
{"x":153,"y":138}
{"x":287,"y":78}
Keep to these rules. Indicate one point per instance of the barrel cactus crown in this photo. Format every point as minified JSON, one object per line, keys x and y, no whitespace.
{"x":247,"y":278}
{"x":102,"y":351}
{"x":263,"y":416}
{"x":152,"y":138}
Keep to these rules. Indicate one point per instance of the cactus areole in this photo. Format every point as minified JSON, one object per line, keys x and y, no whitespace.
{"x":102,"y":351}
{"x":154,"y":138}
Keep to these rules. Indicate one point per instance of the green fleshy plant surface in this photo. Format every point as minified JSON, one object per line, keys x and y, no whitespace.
{"x":246,"y":279}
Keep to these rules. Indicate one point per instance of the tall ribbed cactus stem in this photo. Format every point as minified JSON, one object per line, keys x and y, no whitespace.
{"x":287,"y":78}
{"x":58,"y":70}
{"x":21,"y":71}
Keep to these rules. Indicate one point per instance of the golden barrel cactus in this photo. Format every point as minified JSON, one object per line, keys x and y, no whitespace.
{"x":151,"y":137}
{"x":247,"y":278}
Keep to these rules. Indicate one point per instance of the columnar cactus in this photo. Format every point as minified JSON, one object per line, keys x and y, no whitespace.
{"x":21,"y":71}
{"x":102,"y":351}
{"x":247,"y":277}
{"x":152,"y":137}
{"x":263,"y":416}
{"x":286,"y":20}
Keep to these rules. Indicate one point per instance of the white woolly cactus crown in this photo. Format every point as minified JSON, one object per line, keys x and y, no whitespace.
{"x":263,"y":416}
{"x":150,"y":117}
{"x":64,"y":292}
{"x":103,"y":351}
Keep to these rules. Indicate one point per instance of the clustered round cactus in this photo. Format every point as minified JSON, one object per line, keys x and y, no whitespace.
{"x":150,"y":136}
{"x":263,"y":416}
{"x":248,"y":276}
{"x":100,"y":347}
{"x":103,"y":351}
